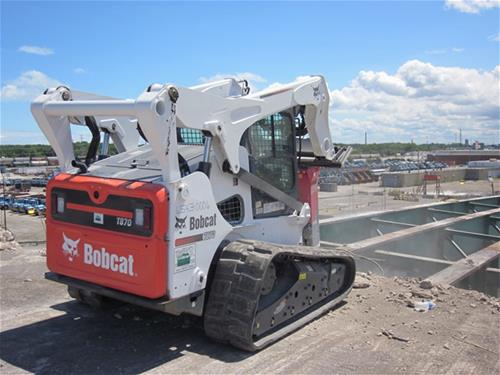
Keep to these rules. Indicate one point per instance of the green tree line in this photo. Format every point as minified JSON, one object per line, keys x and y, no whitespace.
{"x":11,"y":151}
{"x":384,"y":149}
{"x":394,"y":148}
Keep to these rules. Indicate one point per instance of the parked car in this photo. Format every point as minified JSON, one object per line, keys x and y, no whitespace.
{"x":29,"y":204}
{"x":38,"y":209}
{"x":22,"y":207}
{"x":5,"y":203}
{"x":39,"y":182}
{"x":41,"y":209}
{"x":11,"y":204}
{"x":22,"y":185}
{"x":16,"y":205}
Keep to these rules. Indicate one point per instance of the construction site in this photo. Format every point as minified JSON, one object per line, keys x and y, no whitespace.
{"x":250,"y":187}
{"x":132,"y":262}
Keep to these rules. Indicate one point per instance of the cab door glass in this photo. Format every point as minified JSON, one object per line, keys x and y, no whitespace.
{"x":271,"y":145}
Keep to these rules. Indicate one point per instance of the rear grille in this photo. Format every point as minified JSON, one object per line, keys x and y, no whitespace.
{"x":116,"y":214}
{"x":232,"y":209}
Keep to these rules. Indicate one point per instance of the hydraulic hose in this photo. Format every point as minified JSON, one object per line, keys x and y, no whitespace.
{"x":96,"y":139}
{"x":141,"y":133}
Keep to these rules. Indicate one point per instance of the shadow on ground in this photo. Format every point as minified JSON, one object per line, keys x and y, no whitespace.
{"x":117,"y":339}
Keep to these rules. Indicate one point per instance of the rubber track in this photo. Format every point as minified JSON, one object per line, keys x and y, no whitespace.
{"x":234,"y":294}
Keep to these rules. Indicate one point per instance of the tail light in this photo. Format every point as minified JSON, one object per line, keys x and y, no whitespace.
{"x":142,"y":217}
{"x":139,"y":217}
{"x":59,"y":204}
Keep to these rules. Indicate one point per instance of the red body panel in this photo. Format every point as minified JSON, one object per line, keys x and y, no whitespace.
{"x":127,"y":262}
{"x":308,"y":189}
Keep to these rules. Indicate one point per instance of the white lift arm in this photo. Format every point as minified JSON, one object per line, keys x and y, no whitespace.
{"x":219,"y":108}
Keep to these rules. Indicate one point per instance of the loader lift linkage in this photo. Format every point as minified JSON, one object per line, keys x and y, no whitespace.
{"x":209,"y":207}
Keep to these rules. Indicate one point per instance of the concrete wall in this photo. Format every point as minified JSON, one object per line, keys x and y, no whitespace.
{"x":405,"y":179}
{"x":482,"y":173}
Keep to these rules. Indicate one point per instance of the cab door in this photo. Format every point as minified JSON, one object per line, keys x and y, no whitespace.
{"x":272,"y":152}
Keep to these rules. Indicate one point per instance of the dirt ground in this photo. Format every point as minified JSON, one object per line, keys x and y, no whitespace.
{"x":43,"y":331}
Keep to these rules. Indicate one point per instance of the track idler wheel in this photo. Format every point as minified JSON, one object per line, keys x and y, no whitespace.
{"x":86,"y":297}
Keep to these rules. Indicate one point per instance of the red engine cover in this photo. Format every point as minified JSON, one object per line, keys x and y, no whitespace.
{"x":94,"y":234}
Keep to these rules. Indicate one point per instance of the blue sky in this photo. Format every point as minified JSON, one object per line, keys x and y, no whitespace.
{"x":364,"y":49}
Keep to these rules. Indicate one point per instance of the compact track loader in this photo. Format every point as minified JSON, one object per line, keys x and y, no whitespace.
{"x":208,"y":207}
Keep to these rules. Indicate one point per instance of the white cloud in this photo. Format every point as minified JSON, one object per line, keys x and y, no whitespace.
{"x":421,"y":102}
{"x":472,"y":6}
{"x":254,"y":80}
{"x":374,"y":81}
{"x":27,"y":86}
{"x":444,"y":50}
{"x":34,"y":50}
{"x":494,"y":37}
{"x":79,"y":71}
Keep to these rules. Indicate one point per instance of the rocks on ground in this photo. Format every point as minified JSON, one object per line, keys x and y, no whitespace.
{"x":7,"y":241}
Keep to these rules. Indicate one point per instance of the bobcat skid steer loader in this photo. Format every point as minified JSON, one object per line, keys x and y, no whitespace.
{"x":208,"y":207}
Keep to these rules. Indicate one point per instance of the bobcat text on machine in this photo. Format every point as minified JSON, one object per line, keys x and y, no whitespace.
{"x":209,"y":207}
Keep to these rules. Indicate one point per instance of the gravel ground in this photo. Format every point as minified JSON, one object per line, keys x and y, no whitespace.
{"x":26,"y":229}
{"x":375,"y":331}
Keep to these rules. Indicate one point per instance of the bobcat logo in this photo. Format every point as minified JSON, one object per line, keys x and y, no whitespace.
{"x":316,"y":92}
{"x":180,"y":222}
{"x":70,"y":247}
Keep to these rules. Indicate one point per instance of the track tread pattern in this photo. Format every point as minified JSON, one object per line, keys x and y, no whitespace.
{"x":234,"y":295}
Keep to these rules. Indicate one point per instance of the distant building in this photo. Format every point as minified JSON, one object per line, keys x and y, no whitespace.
{"x":6,"y":161}
{"x":478,"y":145}
{"x":26,"y":161}
{"x":52,"y":160}
{"x":39,"y":161}
{"x":21,"y":161}
{"x":491,"y":164}
{"x":462,"y":157}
